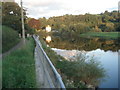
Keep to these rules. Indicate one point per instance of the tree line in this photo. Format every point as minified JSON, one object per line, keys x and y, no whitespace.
{"x":104,"y":22}
{"x":66,"y":24}
{"x":11,"y":17}
{"x":78,"y":24}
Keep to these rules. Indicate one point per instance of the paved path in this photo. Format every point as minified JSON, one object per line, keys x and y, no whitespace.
{"x":39,"y":70}
{"x":46,"y":74}
{"x":19,"y":45}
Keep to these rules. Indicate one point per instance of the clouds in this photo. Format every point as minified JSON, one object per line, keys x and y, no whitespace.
{"x":48,"y":8}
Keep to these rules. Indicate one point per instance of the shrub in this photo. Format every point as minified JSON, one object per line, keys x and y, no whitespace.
{"x":82,"y":68}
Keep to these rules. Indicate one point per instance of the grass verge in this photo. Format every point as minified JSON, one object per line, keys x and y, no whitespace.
{"x":9,"y":38}
{"x":113,"y":35}
{"x":19,"y":68}
{"x":0,"y":73}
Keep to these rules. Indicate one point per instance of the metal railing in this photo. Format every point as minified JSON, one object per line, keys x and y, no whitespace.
{"x":49,"y":77}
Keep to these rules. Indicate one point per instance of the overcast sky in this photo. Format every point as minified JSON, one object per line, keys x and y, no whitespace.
{"x":49,"y":8}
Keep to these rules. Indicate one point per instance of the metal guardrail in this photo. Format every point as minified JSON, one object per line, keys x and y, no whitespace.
{"x":50,"y":78}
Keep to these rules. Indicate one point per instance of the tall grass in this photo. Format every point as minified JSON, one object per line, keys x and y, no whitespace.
{"x":9,"y":38}
{"x":0,"y":73}
{"x":19,"y":68}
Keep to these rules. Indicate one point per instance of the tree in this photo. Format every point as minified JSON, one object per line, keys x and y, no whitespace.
{"x":11,"y":15}
{"x":35,"y":24}
{"x":102,"y":27}
{"x":43,"y":22}
{"x":96,"y":29}
{"x":117,"y":27}
{"x":109,"y":27}
{"x":106,"y":13}
{"x":81,"y":28}
{"x":29,"y":29}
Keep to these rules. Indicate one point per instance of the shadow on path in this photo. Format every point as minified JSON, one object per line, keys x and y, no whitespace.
{"x":19,"y":45}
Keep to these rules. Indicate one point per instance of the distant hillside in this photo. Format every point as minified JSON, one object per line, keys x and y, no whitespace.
{"x":104,"y":22}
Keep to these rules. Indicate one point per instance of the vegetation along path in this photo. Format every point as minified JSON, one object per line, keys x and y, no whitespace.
{"x":19,"y":45}
{"x":18,"y":68}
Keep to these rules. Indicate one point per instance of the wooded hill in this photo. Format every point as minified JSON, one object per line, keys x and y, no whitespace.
{"x":104,"y":22}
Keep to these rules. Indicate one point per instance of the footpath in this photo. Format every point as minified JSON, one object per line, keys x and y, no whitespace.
{"x":19,"y":45}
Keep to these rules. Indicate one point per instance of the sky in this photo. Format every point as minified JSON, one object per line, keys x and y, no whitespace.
{"x":50,"y":8}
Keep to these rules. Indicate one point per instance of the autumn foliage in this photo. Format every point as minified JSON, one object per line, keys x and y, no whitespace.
{"x":33,"y":23}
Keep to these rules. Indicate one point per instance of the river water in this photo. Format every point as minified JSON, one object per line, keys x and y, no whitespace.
{"x":108,"y":59}
{"x":104,"y":50}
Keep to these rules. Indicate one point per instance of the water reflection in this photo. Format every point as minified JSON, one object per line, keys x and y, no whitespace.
{"x":105,"y":50}
{"x":86,"y":44}
{"x":67,"y":54}
{"x":48,"y":39}
{"x":108,"y":59}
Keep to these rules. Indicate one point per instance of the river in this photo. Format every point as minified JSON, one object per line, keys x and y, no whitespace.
{"x":104,"y":50}
{"x":108,"y":59}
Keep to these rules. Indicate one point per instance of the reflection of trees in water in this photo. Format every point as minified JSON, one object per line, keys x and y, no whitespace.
{"x":48,"y":39}
{"x":80,"y":43}
{"x":84,"y":43}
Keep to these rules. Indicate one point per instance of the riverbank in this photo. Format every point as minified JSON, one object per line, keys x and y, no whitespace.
{"x":19,"y":67}
{"x":113,"y":35}
{"x":72,"y":72}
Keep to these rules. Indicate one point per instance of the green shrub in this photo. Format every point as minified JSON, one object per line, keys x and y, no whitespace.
{"x":82,"y":68}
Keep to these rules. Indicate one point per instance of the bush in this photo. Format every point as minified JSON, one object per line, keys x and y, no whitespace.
{"x":29,"y":29}
{"x":82,"y":68}
{"x":9,"y":38}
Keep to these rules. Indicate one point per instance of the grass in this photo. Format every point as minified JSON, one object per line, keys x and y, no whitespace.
{"x":0,"y":39}
{"x":9,"y":38}
{"x":19,"y":68}
{"x":113,"y":35}
{"x":0,"y":73}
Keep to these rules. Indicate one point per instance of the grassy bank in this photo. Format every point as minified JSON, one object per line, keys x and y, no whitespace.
{"x":19,"y":68}
{"x":9,"y":38}
{"x":77,"y":73}
{"x":51,"y":54}
{"x":113,"y":35}
{"x":0,"y":73}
